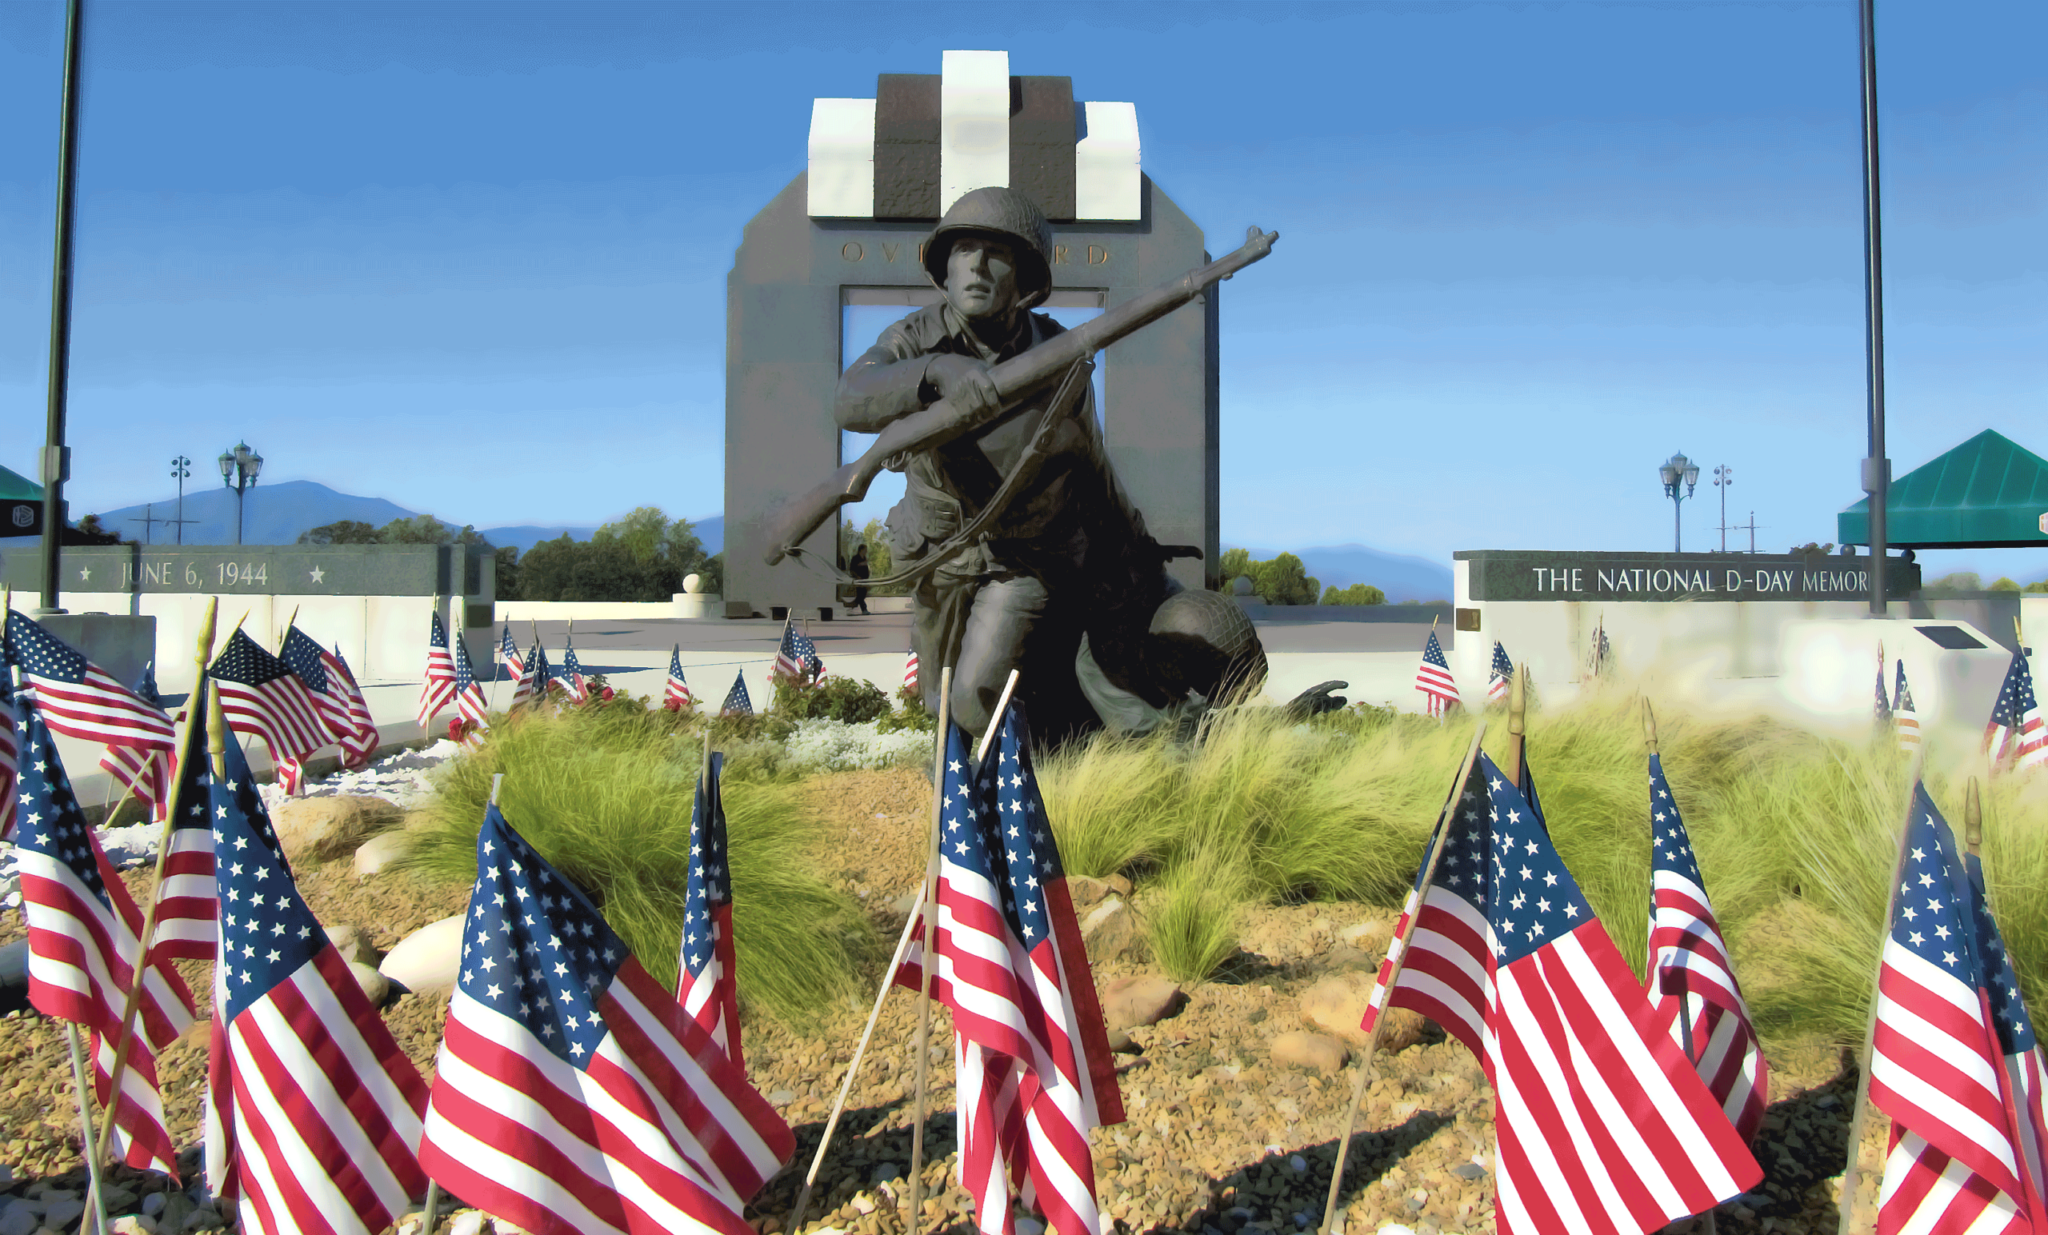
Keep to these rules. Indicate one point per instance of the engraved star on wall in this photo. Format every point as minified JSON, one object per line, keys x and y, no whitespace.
{"x":318,"y":573}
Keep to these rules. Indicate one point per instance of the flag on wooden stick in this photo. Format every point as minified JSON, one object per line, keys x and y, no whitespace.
{"x":572,"y":1092}
{"x":2016,"y":736}
{"x":1905,"y":716}
{"x":1500,"y":675}
{"x":1601,"y":1121}
{"x":707,"y":982}
{"x":438,"y":691}
{"x":676,"y":696}
{"x":1433,"y":679}
{"x":78,"y":698}
{"x":143,"y":771}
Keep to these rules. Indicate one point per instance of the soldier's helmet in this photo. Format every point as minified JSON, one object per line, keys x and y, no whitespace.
{"x":1201,"y":641}
{"x":1009,"y":216}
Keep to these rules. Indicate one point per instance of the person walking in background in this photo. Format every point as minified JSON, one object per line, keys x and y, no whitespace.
{"x":859,"y":570}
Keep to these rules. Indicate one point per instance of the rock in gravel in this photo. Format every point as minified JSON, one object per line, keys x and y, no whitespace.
{"x":1337,"y":1005}
{"x":18,"y":1217}
{"x":1111,"y":931}
{"x":64,"y":1214}
{"x":427,"y":959}
{"x":374,"y":855}
{"x":201,"y":1219}
{"x":468,"y":1222}
{"x":131,"y":1224}
{"x":323,"y":829}
{"x":353,"y":942}
{"x":375,"y":985}
{"x":1128,"y":1003}
{"x":1087,"y":891}
{"x":1372,"y":936}
{"x":177,"y":1208}
{"x":1301,"y":1049}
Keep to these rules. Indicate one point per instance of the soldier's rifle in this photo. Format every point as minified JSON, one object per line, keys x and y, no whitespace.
{"x":1016,"y":381}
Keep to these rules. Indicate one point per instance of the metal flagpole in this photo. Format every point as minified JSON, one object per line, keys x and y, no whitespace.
{"x":1877,"y":470}
{"x":56,"y":456}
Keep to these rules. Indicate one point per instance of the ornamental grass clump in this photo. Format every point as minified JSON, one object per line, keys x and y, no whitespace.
{"x":606,"y":798}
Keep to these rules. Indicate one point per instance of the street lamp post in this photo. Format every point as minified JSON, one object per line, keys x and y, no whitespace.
{"x":1723,"y":477}
{"x":181,"y":471}
{"x":1677,"y":470}
{"x":238,"y":471}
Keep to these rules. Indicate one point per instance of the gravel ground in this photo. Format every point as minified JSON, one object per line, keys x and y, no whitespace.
{"x":1220,"y":1138}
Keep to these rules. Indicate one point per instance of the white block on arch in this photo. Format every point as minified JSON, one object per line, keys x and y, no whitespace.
{"x":1106,"y":166}
{"x":974,"y":122}
{"x":842,"y":168}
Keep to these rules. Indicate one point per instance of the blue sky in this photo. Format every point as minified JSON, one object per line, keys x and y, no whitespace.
{"x":471,"y":257}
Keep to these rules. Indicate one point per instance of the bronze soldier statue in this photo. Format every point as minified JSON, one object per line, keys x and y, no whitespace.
{"x":1043,"y":564}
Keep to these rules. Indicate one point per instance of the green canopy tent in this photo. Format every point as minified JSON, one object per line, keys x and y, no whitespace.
{"x":21,"y":505}
{"x":1987,"y":493}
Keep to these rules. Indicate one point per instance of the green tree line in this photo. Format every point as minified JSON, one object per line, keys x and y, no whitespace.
{"x":1285,"y":581}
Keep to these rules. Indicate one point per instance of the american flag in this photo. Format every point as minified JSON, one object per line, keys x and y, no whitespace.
{"x":677,"y":696}
{"x":188,"y":900}
{"x":1690,"y":973}
{"x":10,"y":753}
{"x":707,"y":981}
{"x":535,"y":679}
{"x":1937,"y":1064}
{"x":572,"y":1092}
{"x":2026,"y":1086}
{"x":308,"y":662}
{"x":143,"y":771}
{"x":508,"y":652}
{"x":438,"y":691}
{"x":78,"y":698}
{"x":1601,"y":1123}
{"x":1904,"y":715}
{"x":360,"y":741}
{"x":314,"y":1109}
{"x":1500,"y":675}
{"x":2015,"y":734}
{"x":469,"y":697}
{"x":84,"y":935}
{"x":797,"y":656}
{"x":737,"y":703}
{"x":571,"y":676}
{"x":263,"y":698}
{"x":1433,"y":679}
{"x":910,"y":670}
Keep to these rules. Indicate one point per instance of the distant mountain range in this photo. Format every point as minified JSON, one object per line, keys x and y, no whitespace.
{"x":278,"y":514}
{"x":1401,"y":576}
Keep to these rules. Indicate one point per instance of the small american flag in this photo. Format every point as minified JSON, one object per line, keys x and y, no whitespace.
{"x":1500,"y":675}
{"x":360,"y":741}
{"x":1690,"y":973}
{"x":677,"y":696}
{"x":314,"y":1110}
{"x":1904,"y":715}
{"x":308,"y":661}
{"x":572,"y":1092}
{"x":469,"y":697}
{"x":1433,"y":679}
{"x":2020,"y":1048}
{"x":1505,"y":953}
{"x":188,"y":900}
{"x":78,"y":698}
{"x":1937,"y":1063}
{"x":910,"y":670}
{"x":2016,"y":734}
{"x":84,"y":935}
{"x":797,"y":656}
{"x":535,"y":680}
{"x":707,"y":983}
{"x":508,"y":653}
{"x":438,"y":691}
{"x":262,"y":697}
{"x":144,"y":771}
{"x":736,"y":701}
{"x":571,"y":676}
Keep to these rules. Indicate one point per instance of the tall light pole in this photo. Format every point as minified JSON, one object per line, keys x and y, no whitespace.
{"x":181,"y":471}
{"x":238,"y":470}
{"x":1678,"y":470}
{"x":1723,"y":477}
{"x":56,"y":455}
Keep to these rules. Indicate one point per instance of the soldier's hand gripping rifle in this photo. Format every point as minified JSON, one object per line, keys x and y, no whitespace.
{"x":1016,"y":380}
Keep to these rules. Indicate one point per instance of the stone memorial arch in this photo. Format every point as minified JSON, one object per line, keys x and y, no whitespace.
{"x":849,"y":231}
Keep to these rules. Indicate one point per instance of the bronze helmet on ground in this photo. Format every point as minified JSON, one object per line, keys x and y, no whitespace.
{"x":1010,"y":216}
{"x":1203,"y":642}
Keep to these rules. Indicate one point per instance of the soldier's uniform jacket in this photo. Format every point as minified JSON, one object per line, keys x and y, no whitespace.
{"x":1072,"y":511}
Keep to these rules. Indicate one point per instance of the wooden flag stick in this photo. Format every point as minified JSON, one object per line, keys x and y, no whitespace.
{"x":930,"y":920}
{"x":286,"y":632}
{"x":432,"y":1204}
{"x":1847,"y":1208}
{"x":1518,"y":702}
{"x":1399,"y":951}
{"x":140,"y":971}
{"x":803,"y":1196}
{"x":1973,"y":819}
{"x":995,"y":719}
{"x":95,"y":1216}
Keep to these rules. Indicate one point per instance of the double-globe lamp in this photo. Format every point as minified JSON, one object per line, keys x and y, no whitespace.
{"x":1678,"y":470}
{"x":238,"y":470}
